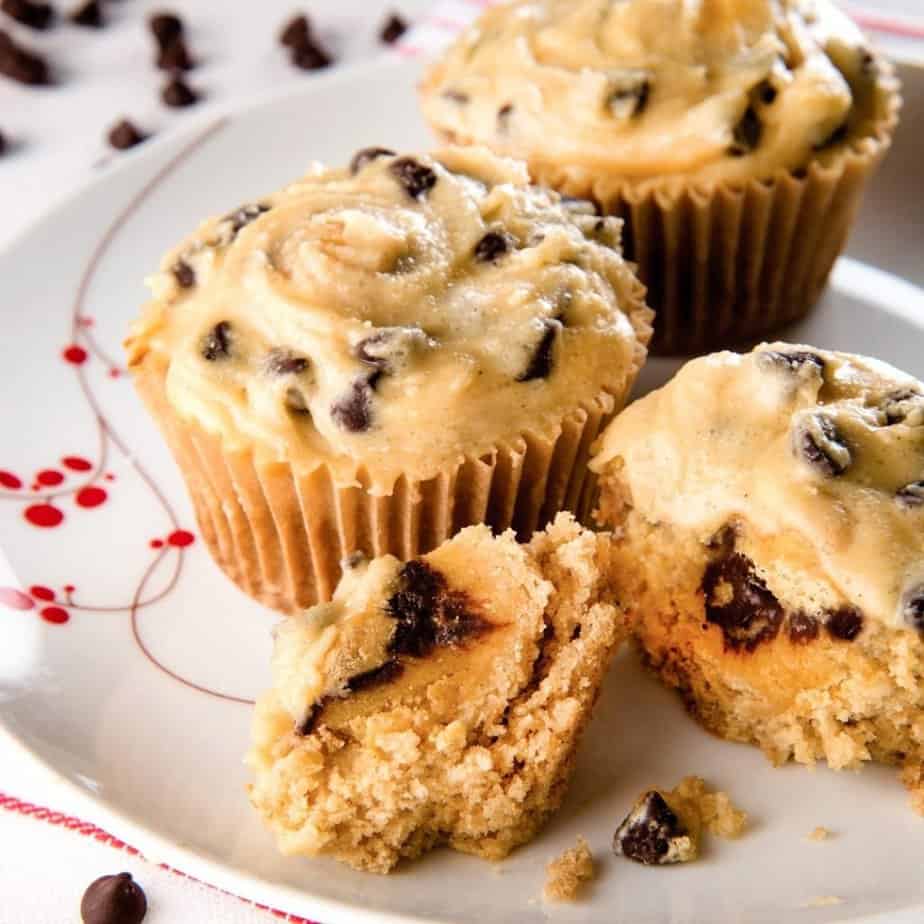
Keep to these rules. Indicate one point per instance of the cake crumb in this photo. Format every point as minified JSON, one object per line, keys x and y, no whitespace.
{"x":565,"y":875}
{"x":819,"y":834}
{"x":714,"y":809}
{"x":823,"y":901}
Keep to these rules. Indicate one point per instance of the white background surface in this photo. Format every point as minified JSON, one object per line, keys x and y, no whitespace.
{"x":58,"y":135}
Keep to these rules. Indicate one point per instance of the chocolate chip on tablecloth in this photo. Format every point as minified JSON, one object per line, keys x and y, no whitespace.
{"x":28,"y":13}
{"x":3,"y":144}
{"x":113,"y":900}
{"x":178,"y":94}
{"x":21,"y":64}
{"x":392,"y":29}
{"x":311,"y":56}
{"x":125,"y":134}
{"x":89,"y":15}
{"x":165,"y":27}
{"x":296,"y":32}
{"x":175,"y":56}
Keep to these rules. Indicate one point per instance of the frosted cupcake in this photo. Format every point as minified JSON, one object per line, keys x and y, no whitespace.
{"x":734,"y":136}
{"x":376,"y":357}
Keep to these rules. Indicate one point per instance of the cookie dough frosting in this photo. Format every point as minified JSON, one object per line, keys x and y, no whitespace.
{"x":404,"y":313}
{"x":819,"y":453}
{"x":718,"y":89}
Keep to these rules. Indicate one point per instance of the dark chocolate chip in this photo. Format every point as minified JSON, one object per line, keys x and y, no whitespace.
{"x":22,"y":65}
{"x":913,"y":608}
{"x":869,"y":67}
{"x":124,"y":134}
{"x":646,"y":833}
{"x":746,"y":134}
{"x":178,"y":94}
{"x":165,"y":27}
{"x":899,"y":406}
{"x":765,"y":92}
{"x":416,"y":178}
{"x":33,"y":15}
{"x":428,"y":613}
{"x":184,"y":274}
{"x":738,"y":601}
{"x":89,"y":15}
{"x":309,"y":723}
{"x":385,"y":673}
{"x":3,"y":144}
{"x":113,"y":900}
{"x":392,"y":29}
{"x":456,"y":96}
{"x":503,"y":117}
{"x":912,"y":495}
{"x":217,"y":342}
{"x":243,"y":216}
{"x":280,"y":361}
{"x":364,"y":157}
{"x":630,"y":100}
{"x":493,"y":245}
{"x":353,"y":412}
{"x":310,"y":56}
{"x":296,"y":32}
{"x":825,"y":448}
{"x":844,"y":623}
{"x":802,"y":628}
{"x":795,"y":360}
{"x":175,"y":56}
{"x":836,"y":137}
{"x":543,"y":358}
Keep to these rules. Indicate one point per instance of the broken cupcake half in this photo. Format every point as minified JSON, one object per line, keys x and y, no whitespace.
{"x":770,"y":515}
{"x":437,"y":701}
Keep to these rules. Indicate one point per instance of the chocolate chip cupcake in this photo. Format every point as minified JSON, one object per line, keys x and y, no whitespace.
{"x":376,"y":357}
{"x":733,"y":136}
{"x":771,"y":507}
{"x":438,"y":701}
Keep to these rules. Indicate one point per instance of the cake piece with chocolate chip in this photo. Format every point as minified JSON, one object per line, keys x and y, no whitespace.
{"x":439,"y":701}
{"x":771,"y":554}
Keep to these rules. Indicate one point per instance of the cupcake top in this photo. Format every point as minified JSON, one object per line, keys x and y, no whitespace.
{"x":394,"y":317}
{"x":716,"y":89}
{"x":825,"y":448}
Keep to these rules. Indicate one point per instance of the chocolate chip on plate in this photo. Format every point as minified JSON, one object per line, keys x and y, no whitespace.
{"x":90,"y":15}
{"x":217,"y":342}
{"x":243,"y":216}
{"x":28,"y":13}
{"x":124,"y":134}
{"x":21,"y":64}
{"x":310,"y":56}
{"x":365,"y":156}
{"x":296,"y":32}
{"x":178,"y":94}
{"x":113,"y":900}
{"x":844,"y":623}
{"x":652,"y":833}
{"x":912,"y":495}
{"x":913,"y":608}
{"x":416,"y":178}
{"x":3,"y":144}
{"x":184,"y":274}
{"x":165,"y":27}
{"x":280,"y":361}
{"x":392,"y":29}
{"x":822,"y":446}
{"x":493,"y":245}
{"x":746,"y":134}
{"x":353,"y":412}
{"x":175,"y":56}
{"x":541,"y":362}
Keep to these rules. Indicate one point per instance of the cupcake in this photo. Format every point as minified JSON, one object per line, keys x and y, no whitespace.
{"x":771,"y":513}
{"x":375,"y":357}
{"x":438,"y":701}
{"x":733,"y":136}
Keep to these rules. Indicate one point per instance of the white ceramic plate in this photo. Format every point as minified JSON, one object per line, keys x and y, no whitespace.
{"x":139,"y":697}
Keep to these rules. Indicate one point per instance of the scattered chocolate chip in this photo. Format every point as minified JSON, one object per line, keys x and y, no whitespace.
{"x":493,"y":245}
{"x":543,"y":358}
{"x":456,"y":96}
{"x":310,"y":56}
{"x":765,"y":92}
{"x":309,"y":723}
{"x":389,"y":349}
{"x":844,"y":623}
{"x":836,"y":137}
{"x":821,"y":446}
{"x":738,"y":601}
{"x":217,"y":342}
{"x":905,"y":406}
{"x":33,"y":15}
{"x":650,"y":833}
{"x":296,"y":32}
{"x":503,"y":117}
{"x":385,"y":673}
{"x":802,"y":628}
{"x":630,"y":97}
{"x":174,"y":56}
{"x":165,"y":27}
{"x":184,"y":274}
{"x":746,"y":134}
{"x":353,"y":412}
{"x":913,"y":608}
{"x":416,"y":178}
{"x":392,"y":29}
{"x":795,"y":361}
{"x":428,"y":613}
{"x":912,"y":495}
{"x":89,"y":15}
{"x":113,"y":900}
{"x":22,"y":65}
{"x":124,"y":134}
{"x":178,"y":94}
{"x":280,"y":361}
{"x":365,"y":157}
{"x":243,"y":216}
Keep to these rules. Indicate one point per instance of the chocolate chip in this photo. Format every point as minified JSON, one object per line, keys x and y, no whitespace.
{"x":493,"y":245}
{"x":392,"y":29}
{"x":124,"y":134}
{"x":385,"y":673}
{"x":913,"y":608}
{"x":310,"y":56}
{"x":89,"y":15}
{"x":22,"y":65}
{"x":390,"y":349}
{"x":113,"y":900}
{"x":364,"y":157}
{"x":649,"y":832}
{"x":309,"y":723}
{"x":844,"y":623}
{"x":353,"y":412}
{"x":765,"y":92}
{"x":821,"y":446}
{"x":3,"y":144}
{"x":174,"y":56}
{"x":428,"y":613}
{"x":296,"y":32}
{"x":905,"y":406}
{"x":178,"y":94}
{"x":456,"y":96}
{"x":165,"y":27}
{"x":912,"y":495}
{"x":746,"y":134}
{"x":629,"y":97}
{"x":869,"y":67}
{"x":738,"y":601}
{"x":802,"y":628}
{"x":795,"y":361}
{"x":503,"y":117}
{"x":543,"y":358}
{"x":217,"y":342}
{"x":280,"y":361}
{"x":416,"y":178}
{"x":243,"y":216}
{"x":33,"y":15}
{"x":184,"y":274}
